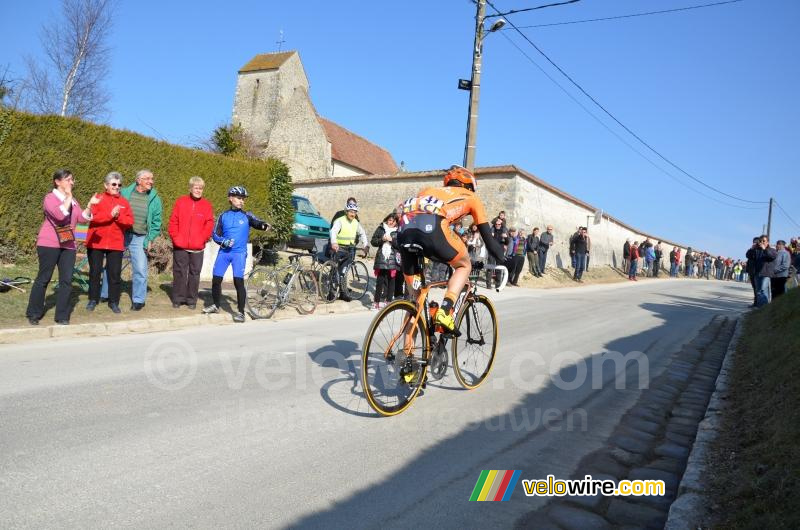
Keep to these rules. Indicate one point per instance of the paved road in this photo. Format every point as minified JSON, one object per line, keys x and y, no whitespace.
{"x":264,"y":424}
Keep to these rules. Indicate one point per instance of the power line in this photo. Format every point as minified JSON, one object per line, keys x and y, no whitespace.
{"x":629,"y":16}
{"x":786,"y":213}
{"x":651,"y":148}
{"x":620,"y":138}
{"x":532,"y":8}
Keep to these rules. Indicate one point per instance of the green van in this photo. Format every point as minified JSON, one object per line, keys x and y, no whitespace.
{"x":308,"y":225}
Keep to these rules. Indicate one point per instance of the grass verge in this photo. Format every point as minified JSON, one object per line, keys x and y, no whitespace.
{"x":756,"y":472}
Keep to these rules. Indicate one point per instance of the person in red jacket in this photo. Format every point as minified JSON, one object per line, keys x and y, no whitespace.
{"x":190,"y":226}
{"x":111,"y":217}
{"x":634,"y":257}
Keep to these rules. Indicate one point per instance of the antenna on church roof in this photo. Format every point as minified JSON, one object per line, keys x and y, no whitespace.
{"x":280,"y":40}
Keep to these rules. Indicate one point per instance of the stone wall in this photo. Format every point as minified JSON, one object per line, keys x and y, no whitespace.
{"x":528,"y":202}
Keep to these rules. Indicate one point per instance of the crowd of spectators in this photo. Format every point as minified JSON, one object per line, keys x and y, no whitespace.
{"x":130,"y":218}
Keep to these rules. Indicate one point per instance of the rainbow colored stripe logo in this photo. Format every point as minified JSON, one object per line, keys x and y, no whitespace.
{"x":495,"y":485}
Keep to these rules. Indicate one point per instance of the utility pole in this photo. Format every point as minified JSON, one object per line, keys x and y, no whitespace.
{"x":475,"y":88}
{"x":769,"y":218}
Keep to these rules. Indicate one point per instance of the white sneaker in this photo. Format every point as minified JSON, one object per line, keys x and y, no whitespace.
{"x":210,"y":309}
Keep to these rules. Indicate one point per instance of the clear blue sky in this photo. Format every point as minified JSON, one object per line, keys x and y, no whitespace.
{"x":713,"y":89}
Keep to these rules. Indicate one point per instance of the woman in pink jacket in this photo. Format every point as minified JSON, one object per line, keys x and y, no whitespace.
{"x":55,"y":248}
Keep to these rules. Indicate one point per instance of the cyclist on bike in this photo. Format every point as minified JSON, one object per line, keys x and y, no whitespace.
{"x":231,"y":232}
{"x":346,"y":234}
{"x":426,"y":221}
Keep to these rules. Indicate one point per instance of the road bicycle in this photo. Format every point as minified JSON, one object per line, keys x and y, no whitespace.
{"x":349,"y":284}
{"x":272,"y":287}
{"x":404,"y":346}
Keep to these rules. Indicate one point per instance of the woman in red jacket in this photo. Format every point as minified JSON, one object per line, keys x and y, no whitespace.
{"x":190,"y":226}
{"x":111,"y":217}
{"x":634,"y":261}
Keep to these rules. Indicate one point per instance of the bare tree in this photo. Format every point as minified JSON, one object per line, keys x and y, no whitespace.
{"x":71,"y":81}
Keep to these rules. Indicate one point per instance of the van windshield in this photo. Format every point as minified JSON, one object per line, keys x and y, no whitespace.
{"x":304,"y":206}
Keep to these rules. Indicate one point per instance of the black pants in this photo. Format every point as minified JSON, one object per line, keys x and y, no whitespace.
{"x":384,"y":287}
{"x":186,"y":268}
{"x":49,"y":259}
{"x":753,"y":285}
{"x":777,"y":286}
{"x":241,"y":292}
{"x":113,"y":268}
{"x":656,"y":266}
{"x":399,"y":284}
{"x":515,"y":268}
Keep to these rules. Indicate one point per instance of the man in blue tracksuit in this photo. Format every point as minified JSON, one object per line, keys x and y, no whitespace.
{"x":231,"y":232}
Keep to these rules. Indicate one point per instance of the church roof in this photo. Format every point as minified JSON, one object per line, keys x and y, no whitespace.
{"x":356,"y":151}
{"x":266,"y":61}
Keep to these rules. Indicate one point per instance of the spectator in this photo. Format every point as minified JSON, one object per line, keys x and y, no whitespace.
{"x":545,"y":242}
{"x":579,"y":249}
{"x":502,"y":216}
{"x":762,"y":255}
{"x":55,"y":247}
{"x":737,"y":271}
{"x":532,"y":246}
{"x":500,"y":235}
{"x":673,"y":262}
{"x":111,"y":218}
{"x":659,"y":253}
{"x":689,"y":265}
{"x":779,"y":269}
{"x":232,"y":232}
{"x":634,"y":256}
{"x":190,"y":227}
{"x":346,"y":234}
{"x":516,"y":255}
{"x":572,"y":256}
{"x":677,"y":261}
{"x":146,"y":206}
{"x":385,"y":240}
{"x":626,"y":255}
{"x":750,"y":269}
{"x":475,"y":246}
{"x":649,"y":258}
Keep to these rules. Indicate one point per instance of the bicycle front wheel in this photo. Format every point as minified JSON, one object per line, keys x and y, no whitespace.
{"x":474,"y":349}
{"x":328,"y":283}
{"x":305,"y":292}
{"x":355,"y":281}
{"x":262,"y":292}
{"x":393,"y":360}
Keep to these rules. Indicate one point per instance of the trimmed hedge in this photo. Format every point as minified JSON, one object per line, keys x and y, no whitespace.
{"x":33,"y":147}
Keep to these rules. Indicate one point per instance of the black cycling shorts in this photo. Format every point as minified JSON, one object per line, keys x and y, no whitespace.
{"x":429,"y":231}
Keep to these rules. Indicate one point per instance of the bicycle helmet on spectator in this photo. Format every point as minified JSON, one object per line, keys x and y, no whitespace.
{"x":460,"y":176}
{"x":351,"y":206}
{"x":237,"y":191}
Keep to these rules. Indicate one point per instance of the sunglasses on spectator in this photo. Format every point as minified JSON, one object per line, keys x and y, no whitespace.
{"x":114,"y":184}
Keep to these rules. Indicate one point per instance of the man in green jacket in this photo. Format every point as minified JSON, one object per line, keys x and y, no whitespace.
{"x":146,"y":205}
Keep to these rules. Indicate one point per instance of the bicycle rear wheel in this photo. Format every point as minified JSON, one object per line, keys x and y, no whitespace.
{"x":305,"y":292}
{"x":392,"y":361}
{"x":474,"y":349}
{"x":262,"y":292}
{"x":355,"y":282}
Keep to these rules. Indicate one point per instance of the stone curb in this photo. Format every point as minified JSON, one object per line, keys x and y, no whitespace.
{"x":691,"y":507}
{"x":151,"y":325}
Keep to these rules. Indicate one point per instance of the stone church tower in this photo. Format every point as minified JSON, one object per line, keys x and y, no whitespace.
{"x":273,"y":106}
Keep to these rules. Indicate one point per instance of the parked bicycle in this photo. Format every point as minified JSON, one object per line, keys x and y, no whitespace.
{"x":272,"y":287}
{"x":349,"y":282}
{"x":404,"y":346}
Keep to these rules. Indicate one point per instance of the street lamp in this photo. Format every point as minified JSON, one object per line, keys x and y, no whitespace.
{"x":474,"y":84}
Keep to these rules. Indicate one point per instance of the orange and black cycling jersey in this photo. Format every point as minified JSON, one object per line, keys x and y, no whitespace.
{"x":449,"y":202}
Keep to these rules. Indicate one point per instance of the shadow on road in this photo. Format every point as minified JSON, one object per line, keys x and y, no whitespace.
{"x":436,"y":484}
